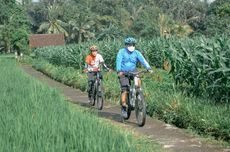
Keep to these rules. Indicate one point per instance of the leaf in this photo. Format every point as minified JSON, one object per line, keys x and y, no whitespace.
{"x":222,"y":70}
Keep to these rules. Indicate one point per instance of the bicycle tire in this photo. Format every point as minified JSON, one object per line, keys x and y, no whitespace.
{"x":140,"y":109}
{"x":100,"y":98}
{"x":129,"y":108}
{"x":93,"y":98}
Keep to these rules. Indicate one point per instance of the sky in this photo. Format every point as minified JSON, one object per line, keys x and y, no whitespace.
{"x":210,"y":1}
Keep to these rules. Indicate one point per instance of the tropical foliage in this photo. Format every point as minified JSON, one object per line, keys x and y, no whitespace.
{"x":85,"y":20}
{"x":14,"y":26}
{"x":199,"y":66}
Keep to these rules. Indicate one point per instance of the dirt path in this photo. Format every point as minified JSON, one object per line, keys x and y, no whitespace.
{"x":168,"y":136}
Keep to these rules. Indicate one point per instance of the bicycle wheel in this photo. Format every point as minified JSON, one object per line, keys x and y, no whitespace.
{"x":100,"y":98}
{"x":129,"y":108}
{"x":94,"y":93}
{"x":140,"y":109}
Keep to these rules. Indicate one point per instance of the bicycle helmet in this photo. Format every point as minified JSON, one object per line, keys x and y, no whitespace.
{"x":93,"y":48}
{"x":130,"y":40}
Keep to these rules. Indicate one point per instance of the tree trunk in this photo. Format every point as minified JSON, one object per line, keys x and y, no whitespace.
{"x":79,"y":37}
{"x":7,"y":45}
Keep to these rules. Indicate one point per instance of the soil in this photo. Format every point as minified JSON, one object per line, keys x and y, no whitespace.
{"x":170,"y":137}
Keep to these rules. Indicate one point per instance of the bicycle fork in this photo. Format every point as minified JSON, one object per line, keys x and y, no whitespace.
{"x":133,"y":91}
{"x":99,"y":89}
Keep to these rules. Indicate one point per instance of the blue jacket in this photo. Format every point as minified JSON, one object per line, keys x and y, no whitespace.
{"x":126,"y":61}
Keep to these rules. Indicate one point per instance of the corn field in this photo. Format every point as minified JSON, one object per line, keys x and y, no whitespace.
{"x":200,"y":66}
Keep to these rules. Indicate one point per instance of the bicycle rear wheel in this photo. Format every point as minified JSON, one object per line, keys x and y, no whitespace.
{"x":100,"y":97}
{"x":140,"y":109}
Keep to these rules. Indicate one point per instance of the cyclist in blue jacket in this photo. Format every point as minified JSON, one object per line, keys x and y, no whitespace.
{"x":126,"y":61}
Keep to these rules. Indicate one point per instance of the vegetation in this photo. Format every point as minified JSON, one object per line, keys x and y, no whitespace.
{"x":85,"y":20}
{"x":163,"y":100}
{"x":14,"y":27}
{"x":188,"y":38}
{"x":36,"y":118}
{"x":199,"y":66}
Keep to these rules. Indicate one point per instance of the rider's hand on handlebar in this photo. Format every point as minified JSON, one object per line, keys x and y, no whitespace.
{"x":85,"y":70}
{"x":120,"y":73}
{"x":150,"y":71}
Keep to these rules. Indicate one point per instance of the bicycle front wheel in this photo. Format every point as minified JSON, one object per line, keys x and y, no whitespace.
{"x":129,"y":107}
{"x":100,"y":97}
{"x":140,"y":109}
{"x":94,"y":93}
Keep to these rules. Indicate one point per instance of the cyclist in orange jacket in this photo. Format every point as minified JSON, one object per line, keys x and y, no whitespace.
{"x":93,"y":65}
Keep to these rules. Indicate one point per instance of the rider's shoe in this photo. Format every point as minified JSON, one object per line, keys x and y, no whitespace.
{"x":89,"y":99}
{"x":124,"y":111}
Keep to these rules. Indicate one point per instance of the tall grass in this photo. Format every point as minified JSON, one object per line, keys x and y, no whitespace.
{"x":163,"y":100}
{"x":36,"y":118}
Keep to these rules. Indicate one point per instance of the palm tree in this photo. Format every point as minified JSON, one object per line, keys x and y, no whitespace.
{"x":182,"y":29}
{"x":53,"y":25}
{"x":81,"y":28}
{"x":165,"y":25}
{"x":110,"y":33}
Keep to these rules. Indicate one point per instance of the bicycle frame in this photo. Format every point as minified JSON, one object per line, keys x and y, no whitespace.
{"x":97,"y":82}
{"x":133,"y":89}
{"x":135,"y":98}
{"x":98,"y":92}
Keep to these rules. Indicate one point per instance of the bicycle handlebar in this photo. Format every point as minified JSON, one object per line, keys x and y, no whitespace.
{"x":135,"y":73}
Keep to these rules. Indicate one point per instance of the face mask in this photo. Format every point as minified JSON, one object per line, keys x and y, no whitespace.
{"x":131,"y":48}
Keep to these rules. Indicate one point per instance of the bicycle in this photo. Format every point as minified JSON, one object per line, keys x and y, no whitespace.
{"x":135,"y":98}
{"x":97,"y":92}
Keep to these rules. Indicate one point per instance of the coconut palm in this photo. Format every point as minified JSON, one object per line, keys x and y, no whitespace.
{"x":110,"y":33}
{"x":182,"y":29}
{"x":81,"y":28}
{"x":53,"y":25}
{"x":165,"y":25}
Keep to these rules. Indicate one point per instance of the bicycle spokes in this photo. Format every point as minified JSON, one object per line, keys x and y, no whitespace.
{"x":140,"y":109}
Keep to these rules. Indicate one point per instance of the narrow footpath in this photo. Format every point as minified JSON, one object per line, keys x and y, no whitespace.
{"x":168,"y":136}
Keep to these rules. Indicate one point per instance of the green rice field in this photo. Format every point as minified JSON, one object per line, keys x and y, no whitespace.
{"x":35,"y":117}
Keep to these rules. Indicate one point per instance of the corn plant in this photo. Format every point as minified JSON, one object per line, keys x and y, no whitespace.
{"x":199,"y":66}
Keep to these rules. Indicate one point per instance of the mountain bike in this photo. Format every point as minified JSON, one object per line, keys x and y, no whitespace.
{"x":135,"y":99}
{"x":97,"y":93}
